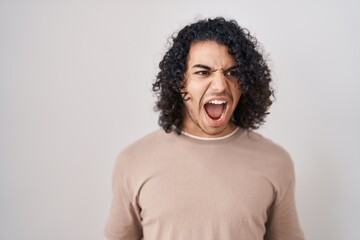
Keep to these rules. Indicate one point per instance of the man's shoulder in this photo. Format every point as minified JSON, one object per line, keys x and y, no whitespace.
{"x":148,"y":141}
{"x":265,"y":144}
{"x":147,"y":146}
{"x":276,"y":156}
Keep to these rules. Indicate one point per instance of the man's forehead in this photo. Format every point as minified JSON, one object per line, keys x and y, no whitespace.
{"x":209,"y":52}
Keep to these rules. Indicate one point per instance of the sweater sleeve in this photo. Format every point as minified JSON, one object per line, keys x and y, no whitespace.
{"x":283,"y":223}
{"x":124,"y":222}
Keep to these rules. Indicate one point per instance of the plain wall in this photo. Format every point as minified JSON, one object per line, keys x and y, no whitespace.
{"x":75,"y":88}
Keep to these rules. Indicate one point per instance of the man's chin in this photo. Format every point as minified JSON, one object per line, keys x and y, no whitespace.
{"x":215,"y":131}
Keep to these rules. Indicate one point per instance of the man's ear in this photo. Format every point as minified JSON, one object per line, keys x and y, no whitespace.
{"x":184,"y":94}
{"x":182,"y":91}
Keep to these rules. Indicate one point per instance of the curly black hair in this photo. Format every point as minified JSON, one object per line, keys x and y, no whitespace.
{"x":253,"y":73}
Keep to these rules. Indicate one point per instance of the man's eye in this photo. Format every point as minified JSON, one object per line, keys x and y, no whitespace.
{"x":202,"y":73}
{"x":231,"y":73}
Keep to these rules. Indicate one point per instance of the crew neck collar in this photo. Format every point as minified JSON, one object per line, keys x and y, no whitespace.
{"x":211,"y":139}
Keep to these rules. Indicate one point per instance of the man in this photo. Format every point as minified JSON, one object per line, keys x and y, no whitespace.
{"x":206,"y":175}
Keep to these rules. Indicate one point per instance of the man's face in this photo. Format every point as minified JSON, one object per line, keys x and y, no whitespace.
{"x":213,"y":91}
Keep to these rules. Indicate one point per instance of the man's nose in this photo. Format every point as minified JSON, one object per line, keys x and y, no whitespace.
{"x":218,"y":82}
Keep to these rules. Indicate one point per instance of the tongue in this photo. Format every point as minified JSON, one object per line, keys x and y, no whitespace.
{"x":214,"y":110}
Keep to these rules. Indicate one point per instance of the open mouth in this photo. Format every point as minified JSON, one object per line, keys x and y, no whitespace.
{"x":215,"y":109}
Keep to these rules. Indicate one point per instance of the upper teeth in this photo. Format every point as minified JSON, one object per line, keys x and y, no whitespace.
{"x":217,"y":102}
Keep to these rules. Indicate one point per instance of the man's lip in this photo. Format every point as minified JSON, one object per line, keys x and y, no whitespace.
{"x":220,"y":121}
{"x":225,"y":99}
{"x":226,"y":107}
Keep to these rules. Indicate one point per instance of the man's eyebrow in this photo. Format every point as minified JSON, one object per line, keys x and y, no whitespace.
{"x":209,"y":68}
{"x":231,"y":68}
{"x":202,"y":66}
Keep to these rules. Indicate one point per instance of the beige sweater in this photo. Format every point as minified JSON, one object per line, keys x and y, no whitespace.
{"x":170,"y":187}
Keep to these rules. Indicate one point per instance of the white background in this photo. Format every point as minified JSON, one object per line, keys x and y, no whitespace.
{"x":75,"y":88}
